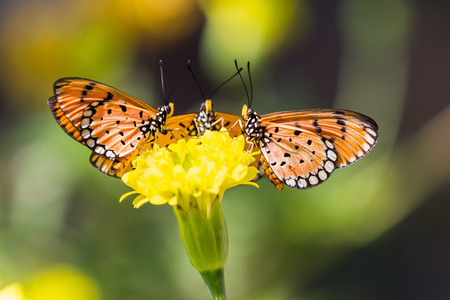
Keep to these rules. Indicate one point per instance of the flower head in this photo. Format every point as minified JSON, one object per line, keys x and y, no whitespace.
{"x":190,"y":173}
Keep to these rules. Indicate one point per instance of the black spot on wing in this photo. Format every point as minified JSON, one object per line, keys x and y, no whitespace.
{"x":108,"y":97}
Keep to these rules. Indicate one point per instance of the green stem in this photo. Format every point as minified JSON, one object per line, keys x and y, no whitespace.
{"x":215,"y":282}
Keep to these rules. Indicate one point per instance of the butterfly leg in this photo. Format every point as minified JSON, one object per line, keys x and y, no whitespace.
{"x":199,"y":128}
{"x":235,"y":123}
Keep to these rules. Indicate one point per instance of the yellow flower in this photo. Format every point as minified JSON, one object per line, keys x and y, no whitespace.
{"x":192,"y":177}
{"x":191,"y":172}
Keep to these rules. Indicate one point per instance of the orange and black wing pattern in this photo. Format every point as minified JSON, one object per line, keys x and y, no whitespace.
{"x":110,"y":122}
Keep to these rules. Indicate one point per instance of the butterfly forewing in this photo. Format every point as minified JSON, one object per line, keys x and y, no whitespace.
{"x":74,"y":95}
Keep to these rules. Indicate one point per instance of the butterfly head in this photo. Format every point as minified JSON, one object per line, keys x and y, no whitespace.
{"x":167,"y":110}
{"x":207,"y":107}
{"x":247,"y":112}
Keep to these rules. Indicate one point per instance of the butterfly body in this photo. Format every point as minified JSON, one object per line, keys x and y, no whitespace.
{"x":302,"y":148}
{"x":207,"y":119}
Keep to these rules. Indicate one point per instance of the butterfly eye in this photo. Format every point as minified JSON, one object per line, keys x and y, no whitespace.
{"x":169,"y":109}
{"x":249,"y":111}
{"x":203,"y":106}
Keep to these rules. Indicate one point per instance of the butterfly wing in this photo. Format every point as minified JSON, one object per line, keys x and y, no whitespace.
{"x":113,"y":167}
{"x":352,"y":134}
{"x":177,"y":127}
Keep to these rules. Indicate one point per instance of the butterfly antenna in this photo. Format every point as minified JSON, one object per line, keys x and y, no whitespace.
{"x":188,"y":64}
{"x":196,"y":81}
{"x":251,"y":84}
{"x":223,"y":83}
{"x":162,"y":80}
{"x":243,"y":82}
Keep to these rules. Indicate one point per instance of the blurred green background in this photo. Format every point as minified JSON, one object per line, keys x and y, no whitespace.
{"x":376,"y":230}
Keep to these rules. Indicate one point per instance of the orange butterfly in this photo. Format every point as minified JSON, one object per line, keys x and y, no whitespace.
{"x":302,"y":148}
{"x":108,"y":121}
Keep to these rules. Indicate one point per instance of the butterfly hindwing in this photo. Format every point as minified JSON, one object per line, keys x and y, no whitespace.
{"x":298,"y":157}
{"x":114,"y":129}
{"x":113,"y":167}
{"x":177,"y":127}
